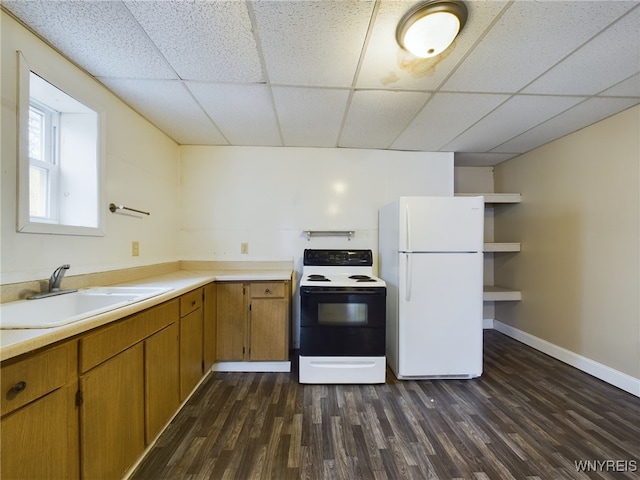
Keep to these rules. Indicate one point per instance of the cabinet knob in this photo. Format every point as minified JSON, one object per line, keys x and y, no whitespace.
{"x":18,"y":387}
{"x":266,"y":290}
{"x":193,"y":303}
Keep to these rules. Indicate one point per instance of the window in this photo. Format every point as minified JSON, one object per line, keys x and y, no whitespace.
{"x":59,"y":159}
{"x":43,"y":162}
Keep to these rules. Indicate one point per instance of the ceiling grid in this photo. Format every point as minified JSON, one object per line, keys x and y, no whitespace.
{"x":330,"y":74}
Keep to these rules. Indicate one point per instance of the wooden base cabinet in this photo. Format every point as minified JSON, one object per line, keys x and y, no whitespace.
{"x":269,"y":322}
{"x":128,"y":388}
{"x":253,"y":321}
{"x":210,"y":325}
{"x":231,"y":317}
{"x":191,"y":343}
{"x":162,"y":379}
{"x":112,"y":415}
{"x":87,"y":408}
{"x":39,"y":426}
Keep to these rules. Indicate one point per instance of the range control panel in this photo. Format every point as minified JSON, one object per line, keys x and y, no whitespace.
{"x":338,"y":258}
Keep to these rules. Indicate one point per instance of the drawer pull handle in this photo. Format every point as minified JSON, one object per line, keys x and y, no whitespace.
{"x":193,"y":303}
{"x":18,"y":387}
{"x":266,"y":290}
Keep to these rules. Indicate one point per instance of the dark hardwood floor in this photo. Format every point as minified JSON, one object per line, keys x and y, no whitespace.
{"x":528,"y":417}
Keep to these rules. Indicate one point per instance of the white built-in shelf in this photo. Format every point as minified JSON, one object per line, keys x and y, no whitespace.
{"x":492,"y":293}
{"x":494,"y":197}
{"x":499,"y":294}
{"x":501,"y":247}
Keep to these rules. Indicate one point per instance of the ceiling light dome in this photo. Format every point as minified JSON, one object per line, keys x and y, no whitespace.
{"x":428,"y":28}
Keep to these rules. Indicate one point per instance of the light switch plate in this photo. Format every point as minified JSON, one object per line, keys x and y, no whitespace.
{"x":135,"y":248}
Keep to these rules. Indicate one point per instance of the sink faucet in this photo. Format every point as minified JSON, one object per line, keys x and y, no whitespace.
{"x":56,"y":277}
{"x":54,"y":284}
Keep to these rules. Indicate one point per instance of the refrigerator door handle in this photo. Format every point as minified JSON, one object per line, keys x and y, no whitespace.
{"x":407,"y":224}
{"x":408,"y":277}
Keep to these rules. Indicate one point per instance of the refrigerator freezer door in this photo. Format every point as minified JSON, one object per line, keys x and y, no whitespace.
{"x":441,"y":224}
{"x":440,"y":315}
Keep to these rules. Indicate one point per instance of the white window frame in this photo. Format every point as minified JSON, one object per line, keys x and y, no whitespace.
{"x":51,"y":224}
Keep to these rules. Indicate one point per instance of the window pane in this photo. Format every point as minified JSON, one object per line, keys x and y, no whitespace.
{"x":36,"y":134}
{"x":38,"y":191}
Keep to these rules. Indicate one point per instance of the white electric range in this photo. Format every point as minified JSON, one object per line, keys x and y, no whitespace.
{"x":342,"y":318}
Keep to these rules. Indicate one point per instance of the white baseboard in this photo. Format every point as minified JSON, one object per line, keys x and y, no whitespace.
{"x":487,"y":323}
{"x":252,"y":367}
{"x":614,"y":377}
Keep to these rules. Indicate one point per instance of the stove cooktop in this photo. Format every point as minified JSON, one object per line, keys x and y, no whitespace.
{"x":333,"y":279}
{"x":357,"y":278}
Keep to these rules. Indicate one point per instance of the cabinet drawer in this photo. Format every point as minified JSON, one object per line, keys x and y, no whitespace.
{"x":108,"y":341}
{"x":267,"y":290}
{"x":190,"y":302}
{"x":29,"y":378}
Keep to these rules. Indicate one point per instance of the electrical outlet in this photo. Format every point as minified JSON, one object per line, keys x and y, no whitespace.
{"x":135,"y":248}
{"x":244,"y":248}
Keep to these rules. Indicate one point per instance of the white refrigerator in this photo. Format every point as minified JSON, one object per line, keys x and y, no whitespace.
{"x":431,"y":259}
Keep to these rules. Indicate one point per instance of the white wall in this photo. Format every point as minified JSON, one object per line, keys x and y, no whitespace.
{"x":267,"y":197}
{"x":579,"y":226}
{"x":141,"y":171}
{"x":473,"y":179}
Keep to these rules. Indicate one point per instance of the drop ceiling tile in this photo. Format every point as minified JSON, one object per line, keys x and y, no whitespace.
{"x":210,"y":41}
{"x":606,"y":60}
{"x":386,"y":65}
{"x":528,"y":39}
{"x":584,"y":114}
{"x":312,"y":43}
{"x":627,"y":88}
{"x":168,"y":105}
{"x":376,"y":117}
{"x":101,"y":37}
{"x":446,"y":116}
{"x":243,"y":113}
{"x":511,"y":119}
{"x":310,"y":117}
{"x":319,"y":43}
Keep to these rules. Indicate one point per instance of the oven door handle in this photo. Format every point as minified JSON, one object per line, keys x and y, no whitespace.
{"x":348,"y":291}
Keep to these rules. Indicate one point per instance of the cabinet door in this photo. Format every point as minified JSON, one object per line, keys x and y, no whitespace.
{"x":40,"y":441}
{"x":209,"y":327}
{"x":190,"y":352}
{"x":162,"y":379}
{"x":269,"y":328}
{"x":112,"y":415}
{"x":231,"y":321}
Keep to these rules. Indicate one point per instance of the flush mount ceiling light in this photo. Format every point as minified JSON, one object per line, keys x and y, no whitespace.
{"x":428,"y":28}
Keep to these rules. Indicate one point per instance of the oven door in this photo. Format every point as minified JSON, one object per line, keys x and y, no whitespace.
{"x":358,"y":307}
{"x":342,"y":321}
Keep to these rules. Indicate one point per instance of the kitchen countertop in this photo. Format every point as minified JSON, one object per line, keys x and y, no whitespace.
{"x":19,"y":341}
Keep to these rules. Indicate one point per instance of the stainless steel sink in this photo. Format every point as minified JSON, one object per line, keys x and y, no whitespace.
{"x":61,"y":310}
